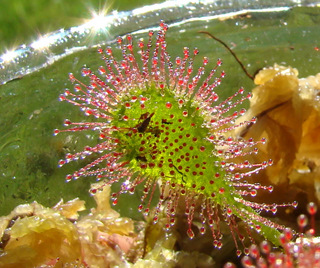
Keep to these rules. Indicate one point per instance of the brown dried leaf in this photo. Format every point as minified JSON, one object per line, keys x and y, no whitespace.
{"x":288,"y":113}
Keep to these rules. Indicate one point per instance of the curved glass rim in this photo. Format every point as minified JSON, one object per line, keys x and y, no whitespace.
{"x":102,"y":30}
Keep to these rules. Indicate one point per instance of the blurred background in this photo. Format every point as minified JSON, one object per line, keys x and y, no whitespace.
{"x":22,"y":21}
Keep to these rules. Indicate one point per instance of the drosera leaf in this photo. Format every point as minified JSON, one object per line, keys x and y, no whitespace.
{"x":160,"y":121}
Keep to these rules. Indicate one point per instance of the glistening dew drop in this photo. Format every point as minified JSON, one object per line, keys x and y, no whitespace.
{"x":297,"y":252}
{"x":160,"y":121}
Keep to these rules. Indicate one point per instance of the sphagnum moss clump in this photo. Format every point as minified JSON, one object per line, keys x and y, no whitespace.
{"x":159,"y":120}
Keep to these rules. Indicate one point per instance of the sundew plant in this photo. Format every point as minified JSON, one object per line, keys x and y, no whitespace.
{"x":161,"y":123}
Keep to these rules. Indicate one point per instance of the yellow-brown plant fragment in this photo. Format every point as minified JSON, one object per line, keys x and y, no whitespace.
{"x":33,"y":235}
{"x":288,"y":113}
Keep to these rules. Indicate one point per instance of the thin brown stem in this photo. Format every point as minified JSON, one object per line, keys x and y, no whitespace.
{"x":232,"y":53}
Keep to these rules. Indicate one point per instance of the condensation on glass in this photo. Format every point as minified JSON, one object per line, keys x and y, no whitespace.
{"x":104,"y":30}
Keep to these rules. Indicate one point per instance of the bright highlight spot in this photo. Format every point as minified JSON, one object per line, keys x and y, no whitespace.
{"x":9,"y":55}
{"x":46,"y":41}
{"x":99,"y":19}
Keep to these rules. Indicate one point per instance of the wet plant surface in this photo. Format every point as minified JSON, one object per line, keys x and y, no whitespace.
{"x":30,"y":110}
